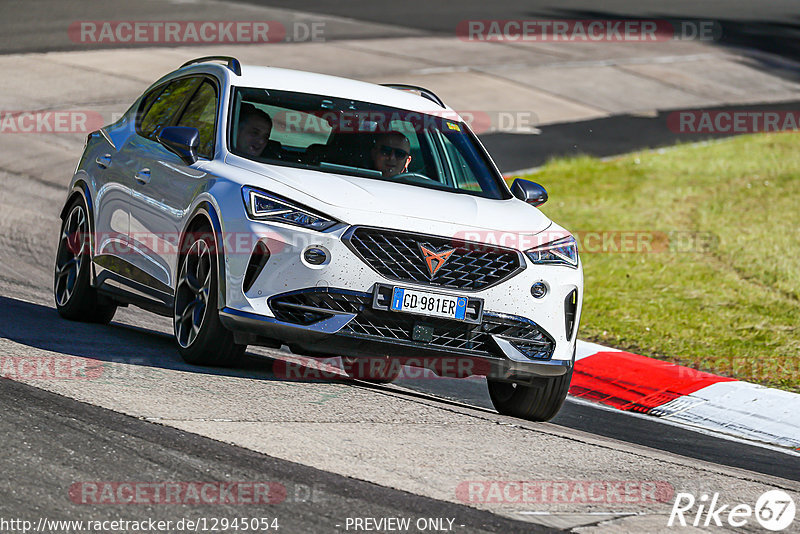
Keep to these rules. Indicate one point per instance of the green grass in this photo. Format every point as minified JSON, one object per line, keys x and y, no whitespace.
{"x":728,"y":301}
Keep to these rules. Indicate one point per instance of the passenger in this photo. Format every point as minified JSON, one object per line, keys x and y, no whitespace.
{"x":391,"y":154}
{"x":255,"y":127}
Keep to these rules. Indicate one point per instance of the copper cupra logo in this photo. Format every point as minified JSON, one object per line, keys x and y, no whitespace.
{"x":435,"y":259}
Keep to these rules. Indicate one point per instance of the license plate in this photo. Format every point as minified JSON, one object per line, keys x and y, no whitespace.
{"x":427,"y":303}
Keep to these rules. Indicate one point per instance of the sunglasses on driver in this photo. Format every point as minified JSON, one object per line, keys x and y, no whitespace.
{"x":387,"y":151}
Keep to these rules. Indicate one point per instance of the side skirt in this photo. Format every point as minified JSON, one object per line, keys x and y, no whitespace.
{"x":135,"y":287}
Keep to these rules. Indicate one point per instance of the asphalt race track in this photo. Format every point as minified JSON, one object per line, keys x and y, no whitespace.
{"x":772,"y":27}
{"x":334,"y":449}
{"x":35,"y":421}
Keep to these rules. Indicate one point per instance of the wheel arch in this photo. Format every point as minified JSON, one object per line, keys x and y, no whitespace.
{"x":80,"y":189}
{"x":205,"y":215}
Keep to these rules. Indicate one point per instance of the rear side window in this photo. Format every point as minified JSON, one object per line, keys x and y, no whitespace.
{"x":167,"y":105}
{"x":201,"y":113}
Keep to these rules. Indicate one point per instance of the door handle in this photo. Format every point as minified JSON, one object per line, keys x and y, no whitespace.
{"x":103,"y":161}
{"x":143,"y":176}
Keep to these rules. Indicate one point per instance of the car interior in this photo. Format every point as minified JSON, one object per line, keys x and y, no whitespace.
{"x":314,"y":131}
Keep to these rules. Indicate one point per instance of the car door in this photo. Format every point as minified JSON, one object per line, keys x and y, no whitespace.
{"x":107,"y":161}
{"x":134,"y":161}
{"x":165,"y":185}
{"x":111,"y":200}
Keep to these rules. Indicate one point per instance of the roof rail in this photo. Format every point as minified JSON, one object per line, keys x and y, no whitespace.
{"x":231,"y":62}
{"x":422,"y":91}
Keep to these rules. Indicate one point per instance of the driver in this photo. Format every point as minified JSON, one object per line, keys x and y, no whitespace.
{"x":255,"y":127}
{"x":391,"y":153}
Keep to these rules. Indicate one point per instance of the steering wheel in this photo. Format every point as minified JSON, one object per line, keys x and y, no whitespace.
{"x":413,"y":175}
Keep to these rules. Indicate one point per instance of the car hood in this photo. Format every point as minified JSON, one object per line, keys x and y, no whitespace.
{"x":358,"y":200}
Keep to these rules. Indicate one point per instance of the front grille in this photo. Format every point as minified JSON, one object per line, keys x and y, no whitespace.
{"x":398,"y":256}
{"x":306,"y":307}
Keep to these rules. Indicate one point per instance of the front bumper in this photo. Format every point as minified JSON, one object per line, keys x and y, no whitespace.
{"x":286,"y":271}
{"x":330,"y":321}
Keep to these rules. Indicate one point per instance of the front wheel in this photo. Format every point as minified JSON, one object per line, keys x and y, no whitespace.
{"x":540,"y":401}
{"x":202,"y":340}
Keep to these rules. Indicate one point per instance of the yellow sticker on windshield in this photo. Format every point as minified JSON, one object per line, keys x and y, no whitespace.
{"x":453,"y":126}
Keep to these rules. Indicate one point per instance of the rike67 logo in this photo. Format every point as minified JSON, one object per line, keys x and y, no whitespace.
{"x":774,"y":510}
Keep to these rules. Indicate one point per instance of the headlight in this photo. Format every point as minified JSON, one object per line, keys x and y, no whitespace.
{"x":265,"y":207}
{"x":562,"y":251}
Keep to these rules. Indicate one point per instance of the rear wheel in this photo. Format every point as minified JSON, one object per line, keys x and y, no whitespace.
{"x":75,"y":298}
{"x":202,"y":340}
{"x":377,"y":369}
{"x":540,"y":401}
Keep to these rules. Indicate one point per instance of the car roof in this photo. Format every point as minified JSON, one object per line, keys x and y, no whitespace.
{"x":335,"y":86}
{"x":323,"y":84}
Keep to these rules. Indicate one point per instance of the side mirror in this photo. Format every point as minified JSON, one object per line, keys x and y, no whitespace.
{"x":530,"y":192}
{"x":181,"y":140}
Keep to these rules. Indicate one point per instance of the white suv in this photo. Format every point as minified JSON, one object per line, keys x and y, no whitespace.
{"x":273,"y":207}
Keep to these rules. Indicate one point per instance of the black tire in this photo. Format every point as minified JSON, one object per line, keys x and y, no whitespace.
{"x":201,"y":337}
{"x":378,"y":369}
{"x":75,"y":298}
{"x":540,"y":401}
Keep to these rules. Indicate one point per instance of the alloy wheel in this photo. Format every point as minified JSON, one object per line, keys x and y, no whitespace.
{"x":72,"y":253}
{"x":191,"y":297}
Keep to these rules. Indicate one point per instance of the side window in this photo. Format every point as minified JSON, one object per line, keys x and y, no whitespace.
{"x":147,"y":101}
{"x":462,"y":173}
{"x":168,"y":103}
{"x":201,"y":113}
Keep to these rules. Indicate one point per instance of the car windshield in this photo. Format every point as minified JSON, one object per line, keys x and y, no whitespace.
{"x":361,"y":139}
